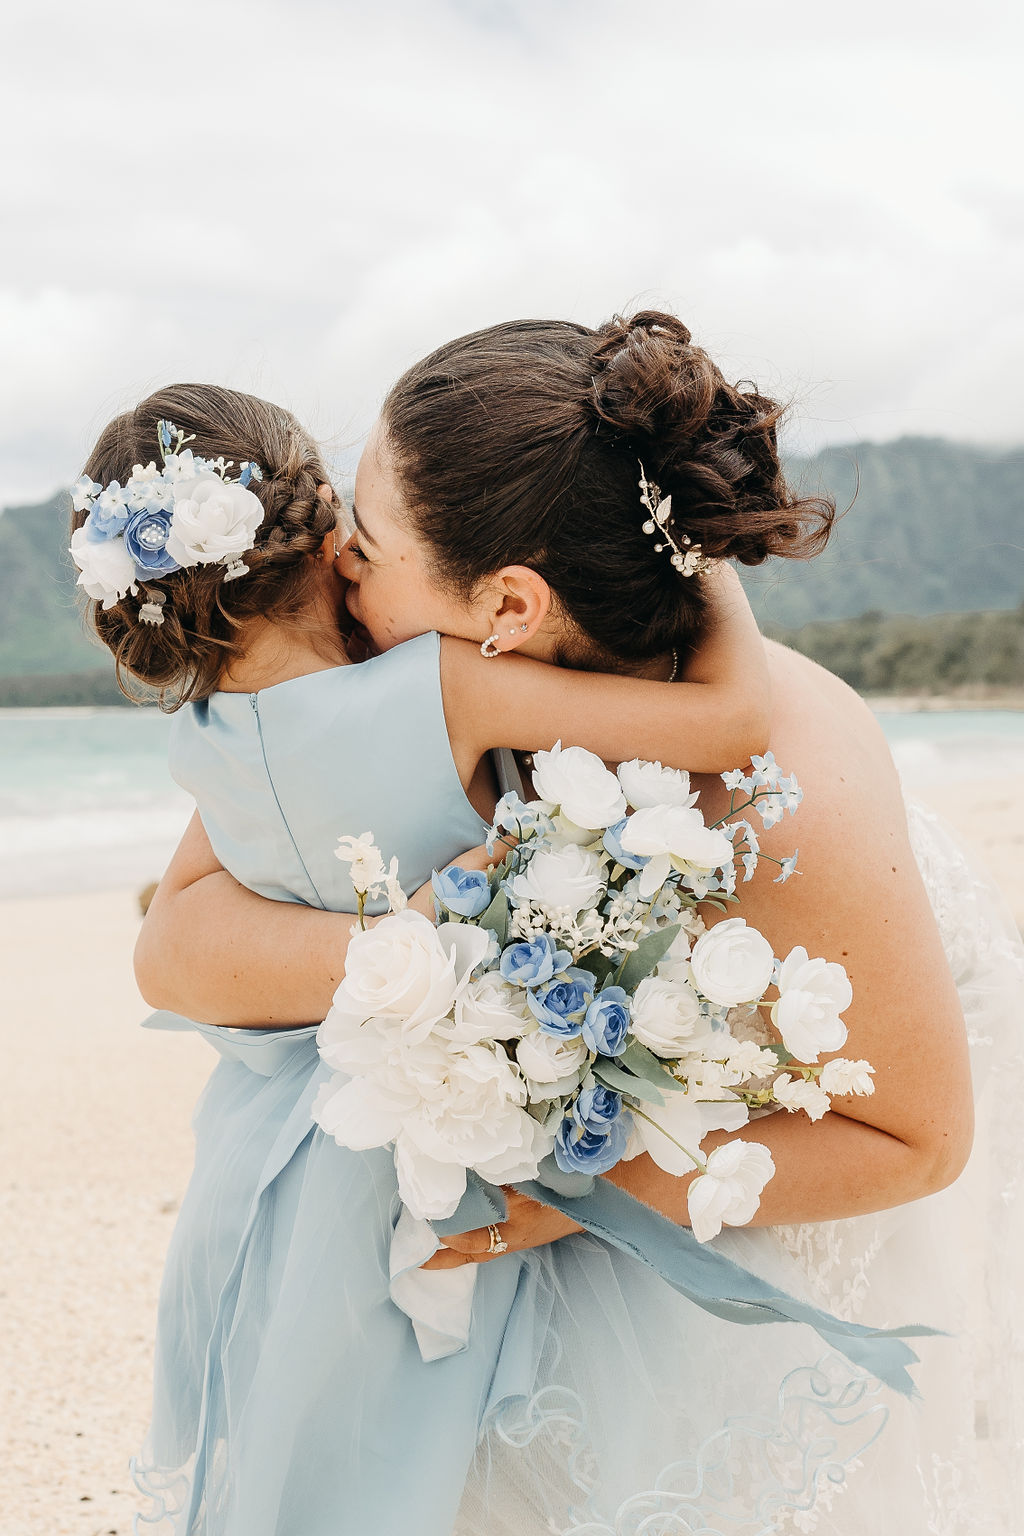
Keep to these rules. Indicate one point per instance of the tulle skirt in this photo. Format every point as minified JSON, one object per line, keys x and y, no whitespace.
{"x":591,"y":1400}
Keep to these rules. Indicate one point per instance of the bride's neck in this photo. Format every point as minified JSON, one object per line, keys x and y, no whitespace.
{"x":276,"y":653}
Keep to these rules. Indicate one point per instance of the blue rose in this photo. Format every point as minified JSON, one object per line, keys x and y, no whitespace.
{"x":145,"y":538}
{"x":606,"y":1021}
{"x":559,"y":1008}
{"x":596,"y":1109}
{"x":613,"y":845}
{"x":467,"y":892}
{"x":582,"y":1151}
{"x":532,"y":962}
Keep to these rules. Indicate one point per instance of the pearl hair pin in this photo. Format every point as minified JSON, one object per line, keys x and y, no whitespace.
{"x":687,"y":558}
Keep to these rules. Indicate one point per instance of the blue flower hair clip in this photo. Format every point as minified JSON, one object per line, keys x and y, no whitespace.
{"x":187,"y":513}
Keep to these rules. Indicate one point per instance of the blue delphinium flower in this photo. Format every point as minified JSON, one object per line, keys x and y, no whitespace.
{"x":466,"y":892}
{"x":145,"y":538}
{"x":560,"y":1006}
{"x":613,"y":845}
{"x":606,"y":1021}
{"x":109,"y":513}
{"x":532,"y":962}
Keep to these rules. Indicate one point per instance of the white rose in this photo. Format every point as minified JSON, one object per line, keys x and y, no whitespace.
{"x":561,"y":878}
{"x":666,"y":1017}
{"x":212,"y":520}
{"x":580,"y":784}
{"x":812,"y":995}
{"x":673,"y":837}
{"x":732,"y":963}
{"x":670,"y":1132}
{"x":107,"y":569}
{"x":795,"y":1093}
{"x":491,"y":1009}
{"x":843,"y":1076}
{"x":649,"y":784}
{"x":730,"y":1192}
{"x":405,"y":968}
{"x":551,"y":1066}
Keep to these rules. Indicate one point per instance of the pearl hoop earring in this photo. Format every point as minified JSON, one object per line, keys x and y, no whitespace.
{"x":490,"y":647}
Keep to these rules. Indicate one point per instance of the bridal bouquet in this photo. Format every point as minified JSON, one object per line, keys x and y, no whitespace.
{"x":570,"y":1007}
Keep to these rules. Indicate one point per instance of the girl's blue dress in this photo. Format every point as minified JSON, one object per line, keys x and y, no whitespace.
{"x":291,"y":1394}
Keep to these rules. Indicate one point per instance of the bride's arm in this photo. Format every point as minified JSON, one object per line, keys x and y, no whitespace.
{"x":716,"y":718}
{"x":215,"y":951}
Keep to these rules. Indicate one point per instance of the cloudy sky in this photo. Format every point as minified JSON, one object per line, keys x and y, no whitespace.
{"x":299,"y":197}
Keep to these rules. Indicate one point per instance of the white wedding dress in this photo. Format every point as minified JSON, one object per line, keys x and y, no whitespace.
{"x":752,"y":1431}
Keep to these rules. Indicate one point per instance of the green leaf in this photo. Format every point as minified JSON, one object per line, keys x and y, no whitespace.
{"x":612,"y":1076}
{"x":645,"y":957}
{"x":601,"y":966}
{"x":496,"y":917}
{"x":645,"y":1064}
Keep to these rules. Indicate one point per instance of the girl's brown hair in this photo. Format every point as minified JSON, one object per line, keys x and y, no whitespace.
{"x":521,"y":445}
{"x":184,"y":657}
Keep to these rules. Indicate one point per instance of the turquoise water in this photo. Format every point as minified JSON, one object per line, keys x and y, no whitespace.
{"x":86,"y":801}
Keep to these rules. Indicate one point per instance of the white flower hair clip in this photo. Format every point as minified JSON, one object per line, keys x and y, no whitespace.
{"x":688,"y":558}
{"x":163,"y":520}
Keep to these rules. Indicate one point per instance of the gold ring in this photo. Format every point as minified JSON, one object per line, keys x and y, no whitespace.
{"x":498,"y":1243}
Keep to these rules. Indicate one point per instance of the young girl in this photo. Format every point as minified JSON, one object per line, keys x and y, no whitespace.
{"x":291,"y":1394}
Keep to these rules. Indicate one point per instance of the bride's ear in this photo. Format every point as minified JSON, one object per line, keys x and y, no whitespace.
{"x":520,"y":603}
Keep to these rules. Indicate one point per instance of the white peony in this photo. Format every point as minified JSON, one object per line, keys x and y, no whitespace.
{"x":405,"y":969}
{"x":446,"y":1107}
{"x":673,"y":837}
{"x":812,"y":995}
{"x":567,"y":878}
{"x":578,"y":783}
{"x":666,"y":1017}
{"x":670,"y":1132}
{"x":551,"y":1066}
{"x":212,"y":520}
{"x":843,"y":1076}
{"x":107,"y":569}
{"x":732,"y":963}
{"x":490,"y":1008}
{"x":648,"y":784}
{"x":730,"y":1192}
{"x":795,"y":1093}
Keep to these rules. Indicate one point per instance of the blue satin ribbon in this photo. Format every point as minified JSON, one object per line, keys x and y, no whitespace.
{"x":696,"y":1270}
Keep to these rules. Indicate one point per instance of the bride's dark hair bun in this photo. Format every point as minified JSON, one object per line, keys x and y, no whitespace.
{"x":521,"y":445}
{"x":712,"y":444}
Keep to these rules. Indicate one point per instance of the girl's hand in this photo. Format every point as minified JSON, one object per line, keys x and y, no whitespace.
{"x":527,"y":1225}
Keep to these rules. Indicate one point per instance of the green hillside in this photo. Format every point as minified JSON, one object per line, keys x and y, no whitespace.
{"x":41,"y":627}
{"x":934,"y":528}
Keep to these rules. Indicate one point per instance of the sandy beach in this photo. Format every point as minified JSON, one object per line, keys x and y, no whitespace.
{"x":96,"y":1153}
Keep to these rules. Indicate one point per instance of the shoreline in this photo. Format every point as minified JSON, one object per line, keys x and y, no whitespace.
{"x":1010,"y":700}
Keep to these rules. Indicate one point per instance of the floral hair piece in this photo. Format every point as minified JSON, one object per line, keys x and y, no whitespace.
{"x":188,"y":513}
{"x":688,"y":558}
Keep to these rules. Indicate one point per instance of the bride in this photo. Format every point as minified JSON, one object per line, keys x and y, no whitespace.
{"x":497,"y":499}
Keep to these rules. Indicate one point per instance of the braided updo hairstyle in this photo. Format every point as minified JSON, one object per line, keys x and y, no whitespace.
{"x":204,"y":617}
{"x":521,"y":445}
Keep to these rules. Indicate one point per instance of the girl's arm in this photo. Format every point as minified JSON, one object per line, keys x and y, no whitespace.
{"x":214,"y":951}
{"x":716,"y":718}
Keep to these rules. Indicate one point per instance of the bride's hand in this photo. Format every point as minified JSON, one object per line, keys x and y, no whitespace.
{"x":527,"y":1225}
{"x":476,"y":858}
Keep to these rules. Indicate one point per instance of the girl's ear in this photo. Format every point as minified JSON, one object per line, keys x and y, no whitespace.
{"x":518,"y":601}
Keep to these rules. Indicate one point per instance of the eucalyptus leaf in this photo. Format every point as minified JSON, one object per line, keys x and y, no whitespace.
{"x":644,"y":958}
{"x":496,"y":917}
{"x":645,"y":1064}
{"x":601,"y":966}
{"x":612,"y":1076}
